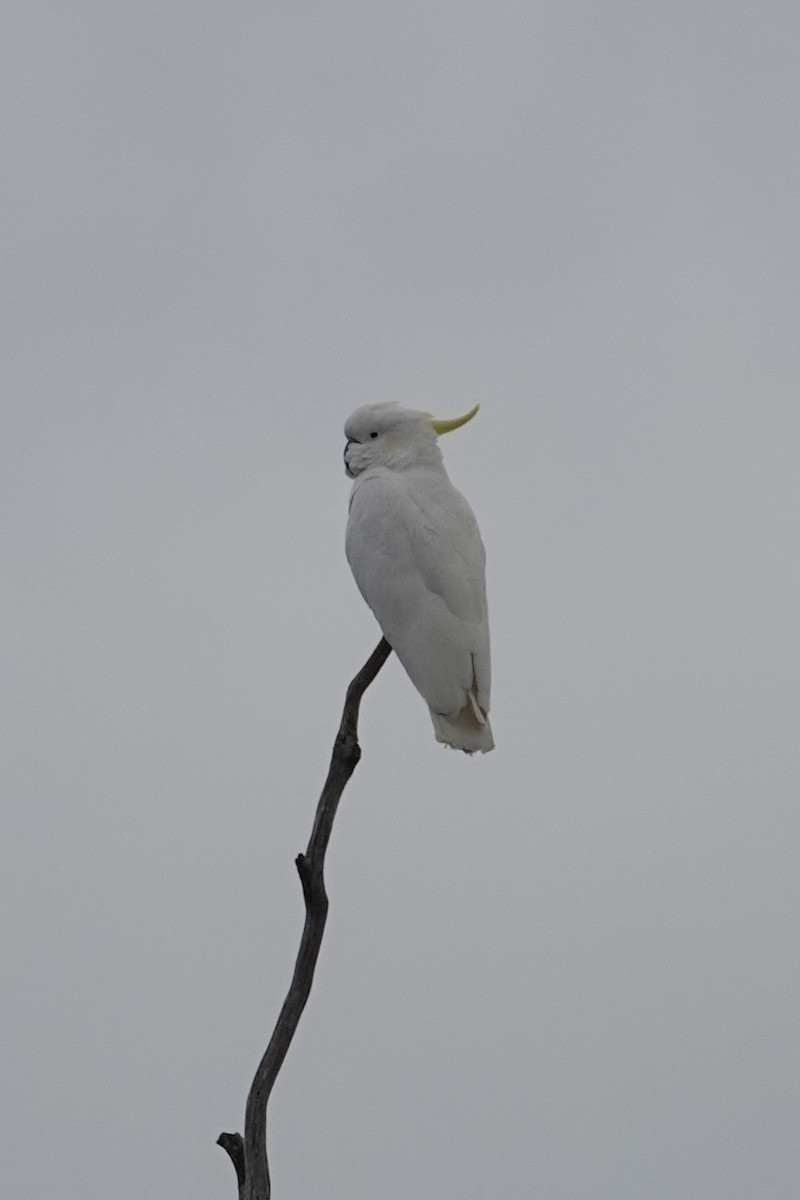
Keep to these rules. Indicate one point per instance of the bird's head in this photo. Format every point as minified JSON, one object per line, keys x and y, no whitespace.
{"x":385,"y":435}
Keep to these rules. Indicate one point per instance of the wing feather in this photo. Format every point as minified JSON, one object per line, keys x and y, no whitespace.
{"x":415,"y":550}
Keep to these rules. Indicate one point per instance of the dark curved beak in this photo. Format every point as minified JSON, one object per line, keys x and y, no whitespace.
{"x":347,"y":446}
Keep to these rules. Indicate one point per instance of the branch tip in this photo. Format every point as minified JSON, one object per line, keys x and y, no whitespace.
{"x":233,"y":1145}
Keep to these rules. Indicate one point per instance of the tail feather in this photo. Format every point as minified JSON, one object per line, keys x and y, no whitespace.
{"x":468,"y":729}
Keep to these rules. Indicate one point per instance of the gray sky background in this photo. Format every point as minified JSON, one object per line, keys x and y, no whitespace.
{"x":568,"y":969}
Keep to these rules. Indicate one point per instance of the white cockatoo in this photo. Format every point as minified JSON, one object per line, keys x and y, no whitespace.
{"x":415,"y":550}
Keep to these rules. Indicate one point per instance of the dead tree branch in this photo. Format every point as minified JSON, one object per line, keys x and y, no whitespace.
{"x":249,"y":1154}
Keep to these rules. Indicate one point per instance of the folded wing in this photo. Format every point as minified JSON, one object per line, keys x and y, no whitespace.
{"x":415,"y":550}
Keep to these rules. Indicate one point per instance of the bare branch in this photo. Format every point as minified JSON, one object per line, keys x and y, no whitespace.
{"x":249,"y":1155}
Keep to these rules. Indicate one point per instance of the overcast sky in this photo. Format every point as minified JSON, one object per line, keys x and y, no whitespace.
{"x":568,"y":969}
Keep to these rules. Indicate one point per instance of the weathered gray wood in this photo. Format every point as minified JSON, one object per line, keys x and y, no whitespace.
{"x":249,"y":1154}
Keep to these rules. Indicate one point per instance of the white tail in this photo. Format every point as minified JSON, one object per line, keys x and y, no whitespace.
{"x":468,"y":729}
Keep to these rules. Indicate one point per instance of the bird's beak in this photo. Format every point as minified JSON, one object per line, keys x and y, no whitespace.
{"x":455,"y":423}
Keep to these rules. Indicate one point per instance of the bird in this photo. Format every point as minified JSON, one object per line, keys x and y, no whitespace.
{"x":416,"y":553}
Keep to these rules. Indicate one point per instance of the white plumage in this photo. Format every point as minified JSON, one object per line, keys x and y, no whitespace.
{"x":415,"y":550}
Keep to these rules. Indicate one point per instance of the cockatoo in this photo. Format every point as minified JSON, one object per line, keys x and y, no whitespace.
{"x":415,"y":550}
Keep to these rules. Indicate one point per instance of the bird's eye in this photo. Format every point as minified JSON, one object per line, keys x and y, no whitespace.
{"x":374,"y":435}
